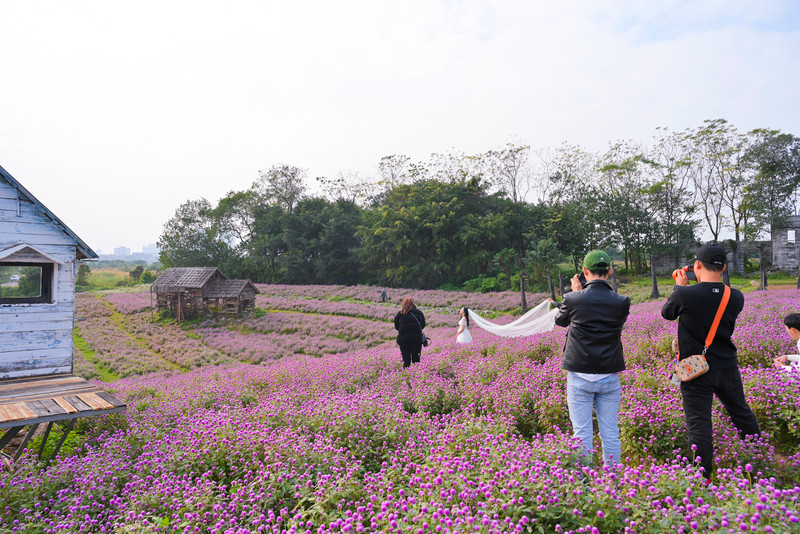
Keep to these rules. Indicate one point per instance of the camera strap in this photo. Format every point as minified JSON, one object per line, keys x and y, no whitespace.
{"x":726,"y":295}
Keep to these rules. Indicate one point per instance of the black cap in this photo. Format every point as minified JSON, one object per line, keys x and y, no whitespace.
{"x":712,"y":254}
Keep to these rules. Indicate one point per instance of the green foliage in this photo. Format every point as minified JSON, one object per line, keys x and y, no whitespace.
{"x":83,"y":275}
{"x":487,"y":284}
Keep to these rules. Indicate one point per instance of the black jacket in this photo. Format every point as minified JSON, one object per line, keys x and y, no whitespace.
{"x":695,"y":306}
{"x":595,"y":316}
{"x":409,"y":327}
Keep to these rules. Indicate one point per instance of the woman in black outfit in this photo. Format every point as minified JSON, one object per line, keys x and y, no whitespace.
{"x":409,"y":323}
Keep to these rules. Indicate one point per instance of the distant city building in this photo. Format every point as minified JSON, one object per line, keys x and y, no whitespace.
{"x":122,"y":251}
{"x":150,"y":249}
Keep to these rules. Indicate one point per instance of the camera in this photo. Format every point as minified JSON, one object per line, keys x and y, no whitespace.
{"x":689,"y":273}
{"x":582,"y":279}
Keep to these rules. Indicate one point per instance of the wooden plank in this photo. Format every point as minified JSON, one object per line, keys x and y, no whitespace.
{"x":30,"y":226}
{"x":38,"y":408}
{"x":95,"y":402}
{"x":44,"y":386}
{"x":6,"y":414}
{"x":37,"y":372}
{"x":21,"y":355}
{"x":20,"y":411}
{"x":78,"y":403}
{"x":39,"y":381}
{"x":48,"y":396}
{"x":45,"y":407}
{"x":24,"y":410}
{"x":44,"y":323}
{"x":34,"y":340}
{"x":65,"y":302}
{"x":47,"y":393}
{"x":32,"y":315}
{"x":111,"y":399}
{"x":45,"y":240}
{"x":67,"y":407}
{"x":26,"y":366}
{"x":13,"y":413}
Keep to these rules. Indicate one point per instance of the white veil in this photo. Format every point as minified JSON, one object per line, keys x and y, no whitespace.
{"x":539,"y":319}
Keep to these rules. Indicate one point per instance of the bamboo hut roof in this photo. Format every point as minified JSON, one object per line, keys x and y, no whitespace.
{"x":183,"y":278}
{"x":228,"y":289}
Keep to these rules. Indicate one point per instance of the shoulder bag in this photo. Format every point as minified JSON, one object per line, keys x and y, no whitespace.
{"x":424,"y":337}
{"x":696,"y":365}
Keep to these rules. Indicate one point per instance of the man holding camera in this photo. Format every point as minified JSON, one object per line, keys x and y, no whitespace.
{"x":695,"y":307}
{"x":595,"y":315}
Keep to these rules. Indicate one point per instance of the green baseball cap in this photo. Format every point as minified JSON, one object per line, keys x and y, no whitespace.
{"x":597,"y":260}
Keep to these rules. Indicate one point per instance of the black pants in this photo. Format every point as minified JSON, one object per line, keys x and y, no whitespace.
{"x":410,"y":353}
{"x":698,"y":395}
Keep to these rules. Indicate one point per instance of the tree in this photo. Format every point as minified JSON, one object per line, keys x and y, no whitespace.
{"x":393,"y":170}
{"x":282,"y":185}
{"x":505,"y":260}
{"x":622,"y":207}
{"x":717,"y":175}
{"x":348,"y":186}
{"x":542,"y":259}
{"x":775,"y":159}
{"x":431,"y":232}
{"x":84,"y":271}
{"x":191,"y":238}
{"x":508,"y":169}
{"x":136,"y":273}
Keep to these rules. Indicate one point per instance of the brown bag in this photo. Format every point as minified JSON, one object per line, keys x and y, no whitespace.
{"x":696,"y":365}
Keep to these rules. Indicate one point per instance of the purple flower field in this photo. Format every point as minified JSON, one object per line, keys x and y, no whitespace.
{"x":476,"y":438}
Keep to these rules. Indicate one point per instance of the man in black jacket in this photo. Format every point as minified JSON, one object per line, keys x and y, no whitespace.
{"x":593,"y":356}
{"x":695,"y":307}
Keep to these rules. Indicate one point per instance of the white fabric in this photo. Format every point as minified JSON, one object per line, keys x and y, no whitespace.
{"x":465,"y":336}
{"x":539,"y":319}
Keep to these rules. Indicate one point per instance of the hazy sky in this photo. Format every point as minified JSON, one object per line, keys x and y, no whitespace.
{"x":115,"y":113}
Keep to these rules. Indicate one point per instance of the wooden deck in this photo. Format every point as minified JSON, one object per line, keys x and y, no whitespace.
{"x":44,"y":399}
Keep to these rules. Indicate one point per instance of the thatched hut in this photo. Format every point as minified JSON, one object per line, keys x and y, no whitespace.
{"x":190,"y":291}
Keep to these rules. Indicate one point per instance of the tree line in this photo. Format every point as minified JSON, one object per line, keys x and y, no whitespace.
{"x":504,"y":215}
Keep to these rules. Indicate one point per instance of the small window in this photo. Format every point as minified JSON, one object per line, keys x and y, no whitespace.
{"x":791,"y":237}
{"x":26,"y":283}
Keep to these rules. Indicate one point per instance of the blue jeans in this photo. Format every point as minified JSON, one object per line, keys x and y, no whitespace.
{"x":582,"y":398}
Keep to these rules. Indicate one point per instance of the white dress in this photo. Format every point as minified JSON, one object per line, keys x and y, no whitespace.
{"x":465,"y":336}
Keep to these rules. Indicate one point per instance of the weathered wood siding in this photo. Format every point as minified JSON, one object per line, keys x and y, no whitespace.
{"x":36,"y":339}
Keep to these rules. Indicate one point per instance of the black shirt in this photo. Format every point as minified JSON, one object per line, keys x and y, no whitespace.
{"x":595,"y":316}
{"x":695,"y":307}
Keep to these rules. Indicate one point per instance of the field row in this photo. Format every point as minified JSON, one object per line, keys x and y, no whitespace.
{"x":474,"y":438}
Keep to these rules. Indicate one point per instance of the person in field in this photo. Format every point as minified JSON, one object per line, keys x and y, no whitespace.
{"x":695,"y":307}
{"x":462,"y":334}
{"x":791,"y":362}
{"x":595,"y":315}
{"x":409,"y":323}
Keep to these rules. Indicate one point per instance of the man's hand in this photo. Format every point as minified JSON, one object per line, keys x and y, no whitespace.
{"x":780,"y":361}
{"x":680,"y":277}
{"x":576,"y":284}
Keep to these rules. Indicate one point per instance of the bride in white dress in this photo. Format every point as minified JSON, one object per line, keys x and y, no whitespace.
{"x":463,"y":335}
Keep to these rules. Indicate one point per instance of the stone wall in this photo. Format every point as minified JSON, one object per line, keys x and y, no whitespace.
{"x":785,"y":245}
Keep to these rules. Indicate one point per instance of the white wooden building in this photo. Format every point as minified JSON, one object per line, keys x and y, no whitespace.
{"x":39,"y":258}
{"x":36,"y":330}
